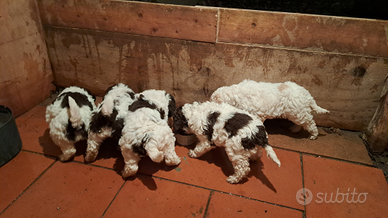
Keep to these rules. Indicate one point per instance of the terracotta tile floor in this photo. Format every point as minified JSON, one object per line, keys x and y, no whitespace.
{"x":335,"y":170}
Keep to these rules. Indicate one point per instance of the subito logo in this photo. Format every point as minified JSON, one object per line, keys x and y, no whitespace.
{"x":304,"y":196}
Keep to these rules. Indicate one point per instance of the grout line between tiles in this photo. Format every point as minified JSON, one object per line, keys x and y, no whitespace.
{"x":253,"y":199}
{"x":208,"y":203}
{"x":103,"y":214}
{"x":214,"y":190}
{"x":18,"y":124}
{"x":188,"y":184}
{"x":46,"y":155}
{"x":341,"y":160}
{"x":201,"y":187}
{"x":323,"y":156}
{"x":32,"y":183}
{"x":303,"y":185}
{"x":196,"y":186}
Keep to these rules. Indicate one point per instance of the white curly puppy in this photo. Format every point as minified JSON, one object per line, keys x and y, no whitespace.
{"x":69,"y":118}
{"x":273,"y":100}
{"x":108,"y":119}
{"x":146,"y":132}
{"x":240,"y":133}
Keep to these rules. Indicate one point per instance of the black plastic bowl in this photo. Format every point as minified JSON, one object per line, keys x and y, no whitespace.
{"x":10,"y":141}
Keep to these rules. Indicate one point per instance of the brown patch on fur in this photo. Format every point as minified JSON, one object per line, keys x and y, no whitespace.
{"x":282,"y":87}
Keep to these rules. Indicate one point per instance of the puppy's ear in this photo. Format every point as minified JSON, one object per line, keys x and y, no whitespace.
{"x":107,"y":107}
{"x":132,"y":94}
{"x":179,"y":121}
{"x":141,"y":97}
{"x":75,"y":114}
{"x":171,"y":106}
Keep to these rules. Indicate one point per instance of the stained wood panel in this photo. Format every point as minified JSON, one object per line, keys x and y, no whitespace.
{"x":376,"y":133}
{"x":25,"y":73}
{"x":302,"y":31}
{"x":191,"y":71}
{"x":160,"y":20}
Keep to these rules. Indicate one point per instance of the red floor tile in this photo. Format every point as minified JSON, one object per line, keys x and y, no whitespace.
{"x":347,"y":146}
{"x":151,"y":197}
{"x":109,"y":155}
{"x":77,"y":190}
{"x":68,"y":190}
{"x":24,"y":117}
{"x":324,"y":176}
{"x":18,"y":174}
{"x":266,"y":182}
{"x":225,"y":205}
{"x":35,"y":134}
{"x":35,"y":137}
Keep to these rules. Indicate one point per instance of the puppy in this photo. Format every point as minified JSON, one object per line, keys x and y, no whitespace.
{"x":163,"y":101}
{"x":69,"y":118}
{"x":273,"y":100}
{"x":223,"y":125}
{"x":108,"y":119}
{"x":146,"y":132}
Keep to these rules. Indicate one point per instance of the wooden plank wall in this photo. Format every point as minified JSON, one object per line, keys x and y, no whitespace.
{"x":191,"y":51}
{"x":25,"y":72}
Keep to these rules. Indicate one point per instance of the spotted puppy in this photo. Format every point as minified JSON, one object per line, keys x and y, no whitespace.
{"x":163,"y":101}
{"x":69,"y":118}
{"x":273,"y":100}
{"x":223,"y":125}
{"x":146,"y":132}
{"x":108,"y":119}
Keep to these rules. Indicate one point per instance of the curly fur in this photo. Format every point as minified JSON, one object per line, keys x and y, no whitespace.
{"x":273,"y":100}
{"x":223,"y":125}
{"x":146,"y":132}
{"x":162,"y":100}
{"x":69,"y":117}
{"x":108,"y":119}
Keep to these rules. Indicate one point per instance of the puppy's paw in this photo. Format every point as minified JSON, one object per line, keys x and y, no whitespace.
{"x":67,"y":155}
{"x":129,"y":171}
{"x":312,"y":137}
{"x":90,"y":157}
{"x":172,"y":161}
{"x":63,"y":158}
{"x":156,"y":157}
{"x":232,"y":179}
{"x":192,"y":154}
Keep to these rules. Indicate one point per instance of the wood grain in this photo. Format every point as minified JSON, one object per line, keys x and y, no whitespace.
{"x":173,"y":21}
{"x":25,"y":70}
{"x":191,"y":71}
{"x":302,"y":31}
{"x":377,"y":130}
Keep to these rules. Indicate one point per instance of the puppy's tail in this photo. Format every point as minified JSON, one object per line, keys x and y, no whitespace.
{"x":153,"y":151}
{"x":317,"y":109}
{"x":271,"y":154}
{"x":107,"y":107}
{"x":75,"y":114}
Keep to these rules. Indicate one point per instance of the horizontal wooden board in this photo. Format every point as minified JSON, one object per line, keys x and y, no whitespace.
{"x":173,"y":21}
{"x":191,"y":71}
{"x":302,"y":31}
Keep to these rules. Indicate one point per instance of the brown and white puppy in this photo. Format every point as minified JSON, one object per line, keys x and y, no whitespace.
{"x":240,"y":133}
{"x":108,"y":119}
{"x":69,"y":118}
{"x":146,"y":132}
